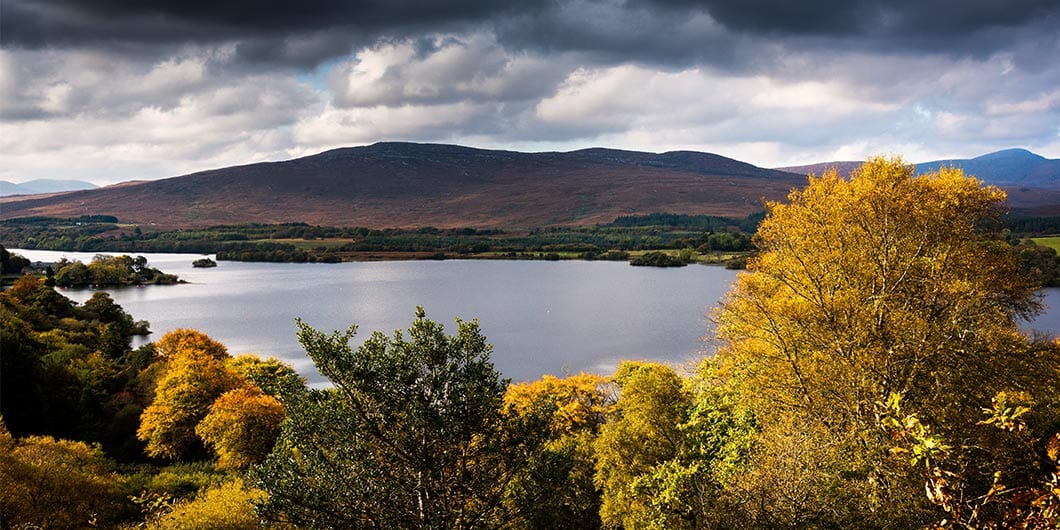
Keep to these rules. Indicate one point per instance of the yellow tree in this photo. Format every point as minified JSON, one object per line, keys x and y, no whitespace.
{"x":226,"y":506}
{"x":556,"y":488}
{"x":887,"y":283}
{"x":50,"y":483}
{"x":193,"y":377}
{"x":185,"y":340}
{"x":241,"y":427}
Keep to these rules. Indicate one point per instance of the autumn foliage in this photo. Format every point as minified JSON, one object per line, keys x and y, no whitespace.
{"x":200,"y":400}
{"x":886,"y":284}
{"x":871,"y":373}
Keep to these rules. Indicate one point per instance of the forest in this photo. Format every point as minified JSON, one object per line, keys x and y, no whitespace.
{"x":869,"y":372}
{"x":719,"y":237}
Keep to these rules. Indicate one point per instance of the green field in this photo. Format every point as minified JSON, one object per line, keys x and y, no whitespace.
{"x":1052,"y":242}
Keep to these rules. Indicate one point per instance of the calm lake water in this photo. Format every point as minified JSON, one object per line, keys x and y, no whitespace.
{"x":542,"y":317}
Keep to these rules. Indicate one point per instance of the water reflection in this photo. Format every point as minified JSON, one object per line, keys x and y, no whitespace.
{"x":542,"y":317}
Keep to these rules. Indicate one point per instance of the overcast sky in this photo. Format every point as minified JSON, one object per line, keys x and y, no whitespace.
{"x":114,"y":90}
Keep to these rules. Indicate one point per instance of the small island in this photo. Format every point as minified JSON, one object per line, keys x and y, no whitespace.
{"x":661,"y":259}
{"x":110,"y":271}
{"x":203,"y":263}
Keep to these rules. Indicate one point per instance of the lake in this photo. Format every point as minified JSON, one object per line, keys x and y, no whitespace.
{"x":543,"y":317}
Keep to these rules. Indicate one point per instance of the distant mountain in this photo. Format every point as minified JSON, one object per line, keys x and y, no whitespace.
{"x":416,"y":185}
{"x":43,"y":186}
{"x":1031,"y":181}
{"x":1007,"y":168}
{"x":10,"y":188}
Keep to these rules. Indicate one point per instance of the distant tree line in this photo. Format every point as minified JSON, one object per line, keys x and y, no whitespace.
{"x":293,"y":242}
{"x":707,"y":223}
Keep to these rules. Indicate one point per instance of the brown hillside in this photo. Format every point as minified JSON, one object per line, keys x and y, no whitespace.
{"x":414,"y":185}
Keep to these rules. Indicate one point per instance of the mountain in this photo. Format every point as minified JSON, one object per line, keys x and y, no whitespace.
{"x":1007,"y":168}
{"x":43,"y":186}
{"x":416,"y":185}
{"x":1031,"y":181}
{"x":10,"y":188}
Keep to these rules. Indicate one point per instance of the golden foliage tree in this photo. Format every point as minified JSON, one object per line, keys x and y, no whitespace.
{"x":580,"y":401}
{"x":227,"y":506}
{"x":182,"y":341}
{"x":194,"y":376}
{"x":241,"y":427}
{"x":556,"y":489}
{"x":887,"y":283}
{"x":49,"y":483}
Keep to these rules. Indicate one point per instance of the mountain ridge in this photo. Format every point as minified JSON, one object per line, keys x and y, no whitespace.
{"x":38,"y":186}
{"x":396,"y":184}
{"x":1014,"y":167}
{"x":405,"y":185}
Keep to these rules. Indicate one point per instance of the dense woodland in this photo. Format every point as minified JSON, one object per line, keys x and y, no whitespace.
{"x":869,"y":373}
{"x":300,"y":242}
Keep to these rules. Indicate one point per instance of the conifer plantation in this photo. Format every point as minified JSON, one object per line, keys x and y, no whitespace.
{"x":870,"y":373}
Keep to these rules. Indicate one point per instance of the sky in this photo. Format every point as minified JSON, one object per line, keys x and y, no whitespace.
{"x":116,"y":90}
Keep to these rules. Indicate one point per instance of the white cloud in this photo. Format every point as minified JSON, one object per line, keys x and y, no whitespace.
{"x":105,"y":117}
{"x":336,"y":127}
{"x":447,"y":69}
{"x":125,"y":120}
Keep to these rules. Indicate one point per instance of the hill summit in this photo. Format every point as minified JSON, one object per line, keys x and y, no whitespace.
{"x":413,"y":185}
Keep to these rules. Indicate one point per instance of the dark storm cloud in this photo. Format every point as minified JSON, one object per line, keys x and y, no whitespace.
{"x":871,"y":17}
{"x":678,"y":32}
{"x":36,"y":23}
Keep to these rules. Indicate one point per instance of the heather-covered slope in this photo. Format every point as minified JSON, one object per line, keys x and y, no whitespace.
{"x":411,"y":185}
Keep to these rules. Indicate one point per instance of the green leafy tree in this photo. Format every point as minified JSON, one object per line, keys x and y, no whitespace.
{"x":640,"y":446}
{"x":11,"y":263}
{"x":62,"y":367}
{"x":413,"y":434}
{"x":271,"y":375}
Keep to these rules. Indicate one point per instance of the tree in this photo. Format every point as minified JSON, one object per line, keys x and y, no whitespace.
{"x":49,"y":483}
{"x":888,"y":283}
{"x":556,"y":489}
{"x":11,"y":263}
{"x":271,"y":375}
{"x":194,"y":376}
{"x":639,"y":445}
{"x":227,"y":506}
{"x":413,"y":434}
{"x":183,"y":340}
{"x":241,"y":427}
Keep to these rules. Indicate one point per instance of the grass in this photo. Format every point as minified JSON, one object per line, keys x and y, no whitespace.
{"x":308,"y":244}
{"x":1052,"y":242}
